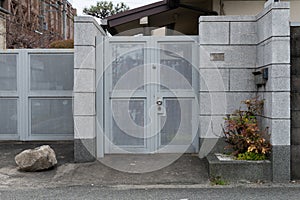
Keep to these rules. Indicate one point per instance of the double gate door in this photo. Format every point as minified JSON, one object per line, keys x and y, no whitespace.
{"x":150,"y":96}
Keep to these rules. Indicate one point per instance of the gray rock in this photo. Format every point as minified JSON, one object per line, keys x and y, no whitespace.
{"x":40,"y":158}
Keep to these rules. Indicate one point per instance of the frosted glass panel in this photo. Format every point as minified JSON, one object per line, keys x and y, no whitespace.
{"x":176,"y":66}
{"x":128,"y":122}
{"x":8,"y":72}
{"x":51,"y":72}
{"x":127,"y":66}
{"x":51,"y":116}
{"x":8,"y":116}
{"x":177,"y":129}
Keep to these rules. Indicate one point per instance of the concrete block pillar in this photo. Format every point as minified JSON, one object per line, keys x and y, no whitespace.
{"x":273,"y":52}
{"x":231,"y":48}
{"x":85,"y":29}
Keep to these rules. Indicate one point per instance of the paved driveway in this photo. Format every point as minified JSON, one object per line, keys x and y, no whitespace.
{"x":188,"y":169}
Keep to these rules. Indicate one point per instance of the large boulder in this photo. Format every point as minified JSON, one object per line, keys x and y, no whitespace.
{"x":40,"y":158}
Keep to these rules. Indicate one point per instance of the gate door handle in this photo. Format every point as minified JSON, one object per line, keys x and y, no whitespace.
{"x":159,"y":102}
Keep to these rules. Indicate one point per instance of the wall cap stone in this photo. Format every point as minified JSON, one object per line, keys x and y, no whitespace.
{"x":226,"y":18}
{"x":87,"y":19}
{"x":273,"y":6}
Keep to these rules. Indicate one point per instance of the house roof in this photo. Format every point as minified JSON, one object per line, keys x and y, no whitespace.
{"x":160,"y":14}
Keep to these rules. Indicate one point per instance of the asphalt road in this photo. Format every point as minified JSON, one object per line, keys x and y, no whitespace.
{"x":92,"y":192}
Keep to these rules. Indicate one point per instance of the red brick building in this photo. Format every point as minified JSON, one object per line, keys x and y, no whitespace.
{"x":37,"y":23}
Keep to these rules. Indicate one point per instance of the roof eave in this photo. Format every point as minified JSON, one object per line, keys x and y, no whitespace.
{"x":137,"y":13}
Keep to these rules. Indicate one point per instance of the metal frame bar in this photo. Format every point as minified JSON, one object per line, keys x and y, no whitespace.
{"x":100,"y":97}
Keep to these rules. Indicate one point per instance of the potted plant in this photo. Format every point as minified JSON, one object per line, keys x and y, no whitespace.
{"x":241,"y":131}
{"x":249,"y":146}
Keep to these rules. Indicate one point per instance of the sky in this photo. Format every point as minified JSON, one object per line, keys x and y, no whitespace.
{"x":80,"y":4}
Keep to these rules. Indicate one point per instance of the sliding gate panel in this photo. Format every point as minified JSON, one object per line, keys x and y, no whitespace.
{"x":36,"y":87}
{"x":150,"y":95}
{"x":49,"y":96}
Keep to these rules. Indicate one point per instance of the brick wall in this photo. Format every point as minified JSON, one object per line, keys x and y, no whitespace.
{"x":2,"y":32}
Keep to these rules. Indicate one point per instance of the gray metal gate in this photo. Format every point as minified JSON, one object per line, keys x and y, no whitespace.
{"x":36,"y":94}
{"x":150,"y":94}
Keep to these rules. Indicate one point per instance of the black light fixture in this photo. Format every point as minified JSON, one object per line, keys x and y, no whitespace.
{"x":261,"y":77}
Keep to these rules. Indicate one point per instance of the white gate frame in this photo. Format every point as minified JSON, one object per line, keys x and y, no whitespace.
{"x":100,"y":79}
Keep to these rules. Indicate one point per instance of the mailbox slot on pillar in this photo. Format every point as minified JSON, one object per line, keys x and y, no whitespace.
{"x":261,"y":77}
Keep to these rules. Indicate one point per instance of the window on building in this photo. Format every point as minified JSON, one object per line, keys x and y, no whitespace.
{"x":3,"y":6}
{"x":2,"y":3}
